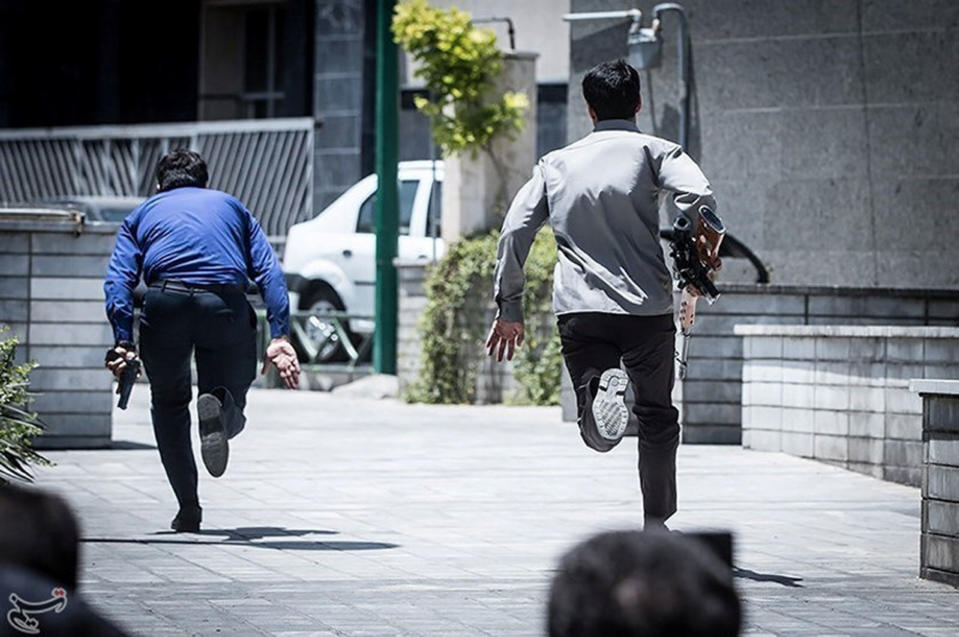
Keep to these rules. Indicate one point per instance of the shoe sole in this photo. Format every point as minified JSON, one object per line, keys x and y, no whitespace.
{"x":609,"y":405}
{"x":214,"y":445}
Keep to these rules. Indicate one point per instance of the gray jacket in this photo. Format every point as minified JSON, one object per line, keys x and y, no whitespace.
{"x":601,"y":195}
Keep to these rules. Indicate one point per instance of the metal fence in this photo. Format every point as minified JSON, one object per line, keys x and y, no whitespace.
{"x":267,"y":164}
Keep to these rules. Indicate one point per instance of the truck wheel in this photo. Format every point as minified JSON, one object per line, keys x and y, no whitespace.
{"x":321,"y":301}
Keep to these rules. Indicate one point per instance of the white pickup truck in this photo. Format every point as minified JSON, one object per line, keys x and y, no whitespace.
{"x":329,"y":261}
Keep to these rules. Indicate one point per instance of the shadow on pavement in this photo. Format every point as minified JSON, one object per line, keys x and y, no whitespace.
{"x":245,"y":536}
{"x":129,"y":444}
{"x":784,"y":580}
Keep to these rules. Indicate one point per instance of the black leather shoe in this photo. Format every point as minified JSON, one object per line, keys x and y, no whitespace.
{"x":187,"y":520}
{"x":214,"y":442}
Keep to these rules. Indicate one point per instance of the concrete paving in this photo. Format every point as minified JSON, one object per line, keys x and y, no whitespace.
{"x":357,"y":517}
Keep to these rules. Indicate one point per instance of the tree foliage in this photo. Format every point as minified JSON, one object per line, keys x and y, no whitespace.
{"x":459,"y":64}
{"x":18,"y":425}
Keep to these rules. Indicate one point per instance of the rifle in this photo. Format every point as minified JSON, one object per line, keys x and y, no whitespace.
{"x":695,"y":253}
{"x":126,"y":379}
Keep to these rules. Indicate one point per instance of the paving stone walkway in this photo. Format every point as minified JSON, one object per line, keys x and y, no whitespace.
{"x":370,"y":518}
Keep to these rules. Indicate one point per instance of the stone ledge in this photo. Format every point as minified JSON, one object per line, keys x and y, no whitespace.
{"x":934,"y":386}
{"x":854,"y":331}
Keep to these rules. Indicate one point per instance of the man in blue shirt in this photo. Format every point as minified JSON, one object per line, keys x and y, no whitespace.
{"x":196,"y":248}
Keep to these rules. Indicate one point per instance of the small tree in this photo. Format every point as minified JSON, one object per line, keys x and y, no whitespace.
{"x":18,"y":426}
{"x":459,"y":64}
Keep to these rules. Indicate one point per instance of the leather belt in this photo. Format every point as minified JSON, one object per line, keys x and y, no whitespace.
{"x":183,"y":286}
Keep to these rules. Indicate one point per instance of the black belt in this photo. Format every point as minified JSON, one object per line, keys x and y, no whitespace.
{"x":183,"y":286}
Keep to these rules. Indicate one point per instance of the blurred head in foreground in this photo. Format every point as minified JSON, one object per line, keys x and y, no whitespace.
{"x":636,"y":584}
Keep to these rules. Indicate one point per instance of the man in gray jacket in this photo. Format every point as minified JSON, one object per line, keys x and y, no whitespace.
{"x":612,"y":289}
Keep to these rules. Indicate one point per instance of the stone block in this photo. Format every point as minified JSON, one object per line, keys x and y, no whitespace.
{"x":736,"y":20}
{"x":70,"y":379}
{"x":799,"y":348}
{"x":831,"y":447}
{"x":68,"y":244}
{"x":944,"y":371}
{"x":831,"y":422}
{"x":910,"y":476}
{"x":879,"y":307}
{"x":765,"y":417}
{"x":68,"y":289}
{"x":944,"y":451}
{"x":866,"y":398}
{"x":831,"y":397}
{"x":67,"y":312}
{"x":759,"y":304}
{"x":797,"y":444}
{"x":832,"y":348}
{"x":945,"y":350}
{"x":911,"y":140}
{"x":814,"y":199}
{"x":78,"y":425}
{"x":71,"y":334}
{"x":940,"y":552}
{"x":724,"y":347}
{"x":798,"y":372}
{"x":14,"y":242}
{"x":873,"y":374}
{"x":764,"y":440}
{"x":940,"y":517}
{"x":69,"y":266}
{"x":902,"y":371}
{"x":900,"y":400}
{"x":802,"y":396}
{"x":74,"y":402}
{"x":907,"y":350}
{"x":712,"y":414}
{"x":903,"y":426}
{"x":718,"y":369}
{"x":832,"y":372}
{"x":13,"y":311}
{"x":944,"y":309}
{"x":867,"y":424}
{"x":867,"y":350}
{"x":14,"y":264}
{"x":768,"y":394}
{"x":895,"y":15}
{"x":798,"y":420}
{"x":716,"y":434}
{"x":942,"y":483}
{"x":13,"y":287}
{"x":759,"y":347}
{"x":911,"y":66}
{"x":866,"y":468}
{"x":711,"y":391}
{"x":903,"y":453}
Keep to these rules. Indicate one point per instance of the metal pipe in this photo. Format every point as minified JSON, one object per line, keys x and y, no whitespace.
{"x":634,"y":14}
{"x":684,"y":76}
{"x":509,"y":28}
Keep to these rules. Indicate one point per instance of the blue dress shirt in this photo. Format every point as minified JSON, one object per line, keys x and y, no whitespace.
{"x":195,"y":235}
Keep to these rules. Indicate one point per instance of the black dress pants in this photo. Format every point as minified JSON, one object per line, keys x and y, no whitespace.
{"x":218,"y":327}
{"x":593,"y":342}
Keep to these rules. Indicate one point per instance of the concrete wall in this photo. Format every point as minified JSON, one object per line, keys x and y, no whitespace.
{"x":841,"y":394}
{"x":827,"y":128}
{"x":712,"y":392}
{"x":939,"y":547}
{"x":51,"y":294}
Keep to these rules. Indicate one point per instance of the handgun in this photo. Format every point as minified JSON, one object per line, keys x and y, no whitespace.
{"x":126,"y":379}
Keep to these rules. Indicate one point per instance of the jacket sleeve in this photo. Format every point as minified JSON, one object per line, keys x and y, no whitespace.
{"x":680,"y":175}
{"x":123,"y":274}
{"x":264,"y":269}
{"x":526,"y":215}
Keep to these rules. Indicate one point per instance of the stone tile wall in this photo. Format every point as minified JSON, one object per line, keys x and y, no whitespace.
{"x":841,"y":394}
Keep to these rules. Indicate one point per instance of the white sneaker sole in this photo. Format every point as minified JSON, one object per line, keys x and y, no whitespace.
{"x":609,"y":406}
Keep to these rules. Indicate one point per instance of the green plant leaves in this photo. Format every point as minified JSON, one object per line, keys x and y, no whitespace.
{"x":18,"y":427}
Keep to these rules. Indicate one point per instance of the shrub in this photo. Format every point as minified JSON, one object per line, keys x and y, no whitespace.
{"x":18,"y":426}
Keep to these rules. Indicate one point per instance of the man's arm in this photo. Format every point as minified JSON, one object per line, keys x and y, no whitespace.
{"x":123,"y":274}
{"x":680,"y":175}
{"x":265,"y":271}
{"x":527,"y":214}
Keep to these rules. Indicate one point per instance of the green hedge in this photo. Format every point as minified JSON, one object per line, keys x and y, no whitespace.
{"x":18,"y":426}
{"x":456,"y":321}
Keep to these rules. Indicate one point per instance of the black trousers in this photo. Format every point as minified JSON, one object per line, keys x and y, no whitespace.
{"x":218,"y":326}
{"x":593,"y":342}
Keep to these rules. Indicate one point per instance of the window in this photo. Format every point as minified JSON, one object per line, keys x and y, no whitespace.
{"x":366,"y":221}
{"x":436,"y":211}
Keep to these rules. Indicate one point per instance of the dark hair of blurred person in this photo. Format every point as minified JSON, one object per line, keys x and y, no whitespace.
{"x":180,"y":168}
{"x":39,"y":533}
{"x":643,"y":584}
{"x":611,"y":90}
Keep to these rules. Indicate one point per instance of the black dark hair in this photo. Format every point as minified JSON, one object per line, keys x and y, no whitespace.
{"x":179,"y":168}
{"x":39,"y":533}
{"x":643,"y":584}
{"x":612,"y":90}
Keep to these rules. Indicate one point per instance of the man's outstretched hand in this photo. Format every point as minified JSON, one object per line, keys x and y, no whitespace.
{"x":281,"y":354}
{"x":504,"y":337}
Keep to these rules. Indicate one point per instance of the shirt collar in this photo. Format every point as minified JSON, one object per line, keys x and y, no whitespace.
{"x":615,"y":124}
